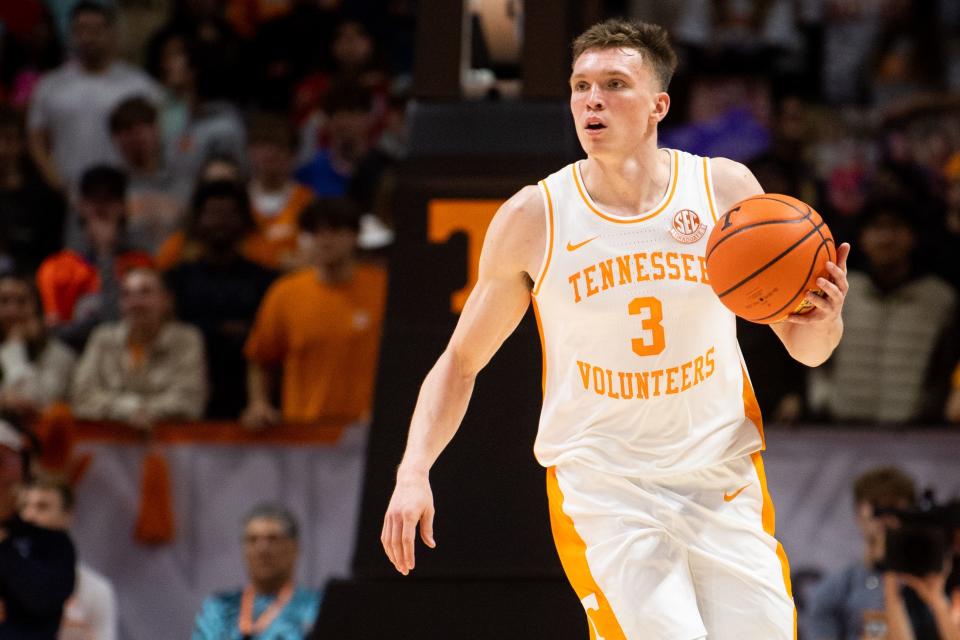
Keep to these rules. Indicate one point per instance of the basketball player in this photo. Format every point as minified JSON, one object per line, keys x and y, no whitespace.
{"x":650,"y":431}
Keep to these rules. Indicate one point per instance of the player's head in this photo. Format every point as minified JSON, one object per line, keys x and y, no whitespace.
{"x":621,"y":72}
{"x":47,"y":503}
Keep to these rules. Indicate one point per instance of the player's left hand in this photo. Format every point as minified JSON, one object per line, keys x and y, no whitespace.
{"x":827,"y":308}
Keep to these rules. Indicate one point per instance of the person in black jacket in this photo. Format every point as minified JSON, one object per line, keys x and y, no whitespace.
{"x":36,"y":565}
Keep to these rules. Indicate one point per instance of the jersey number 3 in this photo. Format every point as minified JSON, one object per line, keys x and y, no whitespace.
{"x":650,"y":311}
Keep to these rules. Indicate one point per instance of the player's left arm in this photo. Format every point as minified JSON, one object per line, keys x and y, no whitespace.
{"x":809,"y":338}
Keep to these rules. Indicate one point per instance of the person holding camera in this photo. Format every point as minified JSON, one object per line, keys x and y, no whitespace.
{"x":849,"y":603}
{"x":938,"y":590}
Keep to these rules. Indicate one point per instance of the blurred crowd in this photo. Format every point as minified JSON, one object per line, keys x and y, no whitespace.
{"x":195,"y":228}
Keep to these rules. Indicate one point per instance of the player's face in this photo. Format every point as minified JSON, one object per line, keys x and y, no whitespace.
{"x":615,"y":100}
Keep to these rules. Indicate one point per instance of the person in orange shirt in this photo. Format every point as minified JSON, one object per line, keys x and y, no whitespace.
{"x":320,"y":327}
{"x":80,"y":289}
{"x":276,"y":198}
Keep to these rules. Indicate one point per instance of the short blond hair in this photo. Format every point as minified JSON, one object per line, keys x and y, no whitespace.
{"x":651,"y":40}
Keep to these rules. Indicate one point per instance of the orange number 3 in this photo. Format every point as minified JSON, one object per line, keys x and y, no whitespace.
{"x":651,"y":314}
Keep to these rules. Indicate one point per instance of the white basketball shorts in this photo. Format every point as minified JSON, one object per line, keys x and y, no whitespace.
{"x":675,"y":558}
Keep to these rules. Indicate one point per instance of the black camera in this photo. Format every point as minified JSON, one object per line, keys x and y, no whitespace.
{"x":923,"y":538}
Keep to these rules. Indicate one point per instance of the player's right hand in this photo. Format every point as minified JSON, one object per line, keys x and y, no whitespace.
{"x":411,"y":503}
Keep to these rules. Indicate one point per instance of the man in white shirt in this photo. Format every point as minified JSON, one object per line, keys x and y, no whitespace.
{"x":69,"y":111}
{"x":91,"y":612}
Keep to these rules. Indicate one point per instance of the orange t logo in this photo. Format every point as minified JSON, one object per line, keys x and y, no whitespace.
{"x":472,"y":217}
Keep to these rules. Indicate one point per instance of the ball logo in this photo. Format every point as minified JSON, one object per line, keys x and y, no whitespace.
{"x":687,"y":227}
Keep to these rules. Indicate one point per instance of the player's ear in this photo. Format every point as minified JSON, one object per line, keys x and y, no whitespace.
{"x":661,"y":105}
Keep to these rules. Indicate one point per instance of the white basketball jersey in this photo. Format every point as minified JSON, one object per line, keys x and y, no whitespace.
{"x":643,"y":375}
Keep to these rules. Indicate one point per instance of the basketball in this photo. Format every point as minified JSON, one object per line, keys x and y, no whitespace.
{"x":765,"y":253}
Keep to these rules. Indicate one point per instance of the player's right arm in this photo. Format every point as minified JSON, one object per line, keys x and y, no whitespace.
{"x":513,"y":249}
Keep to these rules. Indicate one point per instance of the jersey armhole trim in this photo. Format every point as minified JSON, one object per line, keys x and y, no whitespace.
{"x":548,"y":250}
{"x":708,"y":185}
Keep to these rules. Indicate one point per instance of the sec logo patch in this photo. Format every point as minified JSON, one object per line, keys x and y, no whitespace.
{"x":687,"y":227}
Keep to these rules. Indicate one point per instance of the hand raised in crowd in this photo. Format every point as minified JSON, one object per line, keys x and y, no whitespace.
{"x":260,"y":415}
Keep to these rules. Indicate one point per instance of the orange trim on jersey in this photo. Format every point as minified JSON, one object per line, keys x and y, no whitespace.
{"x":550,"y":226}
{"x":751,"y":408}
{"x":769,"y":519}
{"x":543,"y":348}
{"x":573,"y":556}
{"x":708,"y":183}
{"x":644,"y":216}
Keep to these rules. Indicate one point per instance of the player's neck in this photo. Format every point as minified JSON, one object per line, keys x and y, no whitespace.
{"x":627,"y":184}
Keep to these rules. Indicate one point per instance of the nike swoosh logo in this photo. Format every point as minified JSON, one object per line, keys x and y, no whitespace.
{"x":728,"y":497}
{"x":574,"y":247}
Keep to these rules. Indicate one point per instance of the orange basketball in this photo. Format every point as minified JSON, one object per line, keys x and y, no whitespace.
{"x":765,"y":253}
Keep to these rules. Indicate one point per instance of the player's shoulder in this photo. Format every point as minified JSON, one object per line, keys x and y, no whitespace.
{"x":726,"y":169}
{"x":732,"y":181}
{"x":527,"y":203}
{"x":516,"y":233}
{"x":523,"y":212}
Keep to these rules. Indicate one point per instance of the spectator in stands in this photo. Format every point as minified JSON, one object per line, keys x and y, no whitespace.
{"x":91,"y":611}
{"x":30,"y":46}
{"x":270,"y":605}
{"x":355,"y":61}
{"x":194,"y":126}
{"x":70,"y":108}
{"x":894,"y":316}
{"x":320,"y":326}
{"x":36,"y":565}
{"x":218,"y":290}
{"x":31,"y":214}
{"x":907,"y":60}
{"x":276,"y":198}
{"x":932,"y":591}
{"x":348,"y":140}
{"x":848,"y":602}
{"x":80,"y":289}
{"x":949,"y":236}
{"x":158,"y":193}
{"x":219,"y":56}
{"x":35,"y":367}
{"x":285,"y":50}
{"x":146,"y":368}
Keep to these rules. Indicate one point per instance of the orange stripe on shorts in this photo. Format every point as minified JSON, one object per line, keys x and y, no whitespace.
{"x":573,"y":556}
{"x":769,"y":525}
